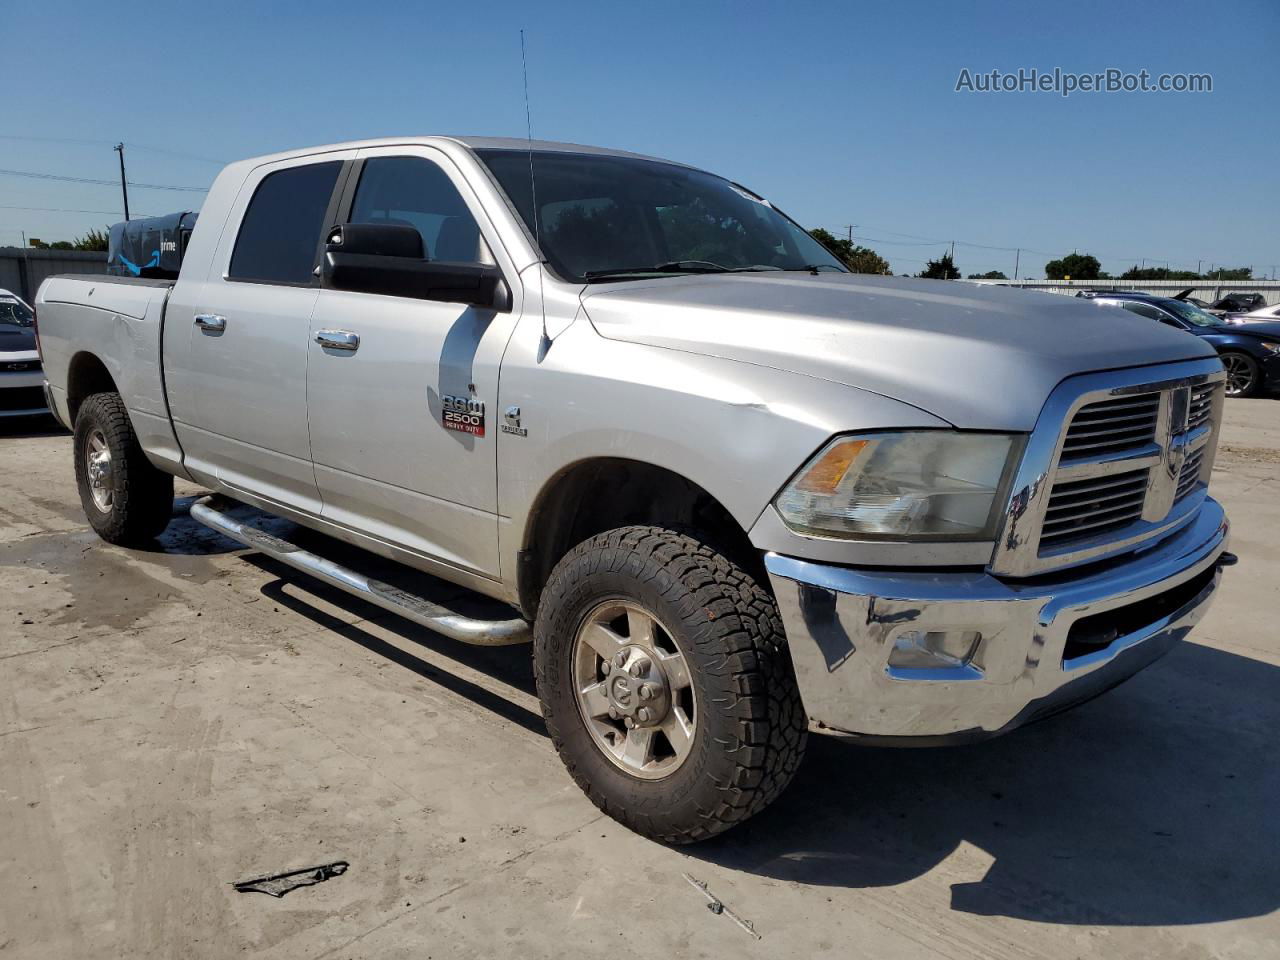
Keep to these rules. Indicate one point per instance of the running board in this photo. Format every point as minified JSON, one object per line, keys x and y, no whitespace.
{"x":484,"y":633}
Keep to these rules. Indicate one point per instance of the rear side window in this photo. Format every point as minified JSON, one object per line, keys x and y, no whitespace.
{"x":280,"y":234}
{"x":1142,"y":309}
{"x":415,"y":192}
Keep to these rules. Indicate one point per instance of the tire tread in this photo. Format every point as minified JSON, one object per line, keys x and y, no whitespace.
{"x":143,"y":503}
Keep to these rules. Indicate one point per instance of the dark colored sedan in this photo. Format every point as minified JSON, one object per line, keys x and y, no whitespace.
{"x":21,"y":377}
{"x":1250,"y":352}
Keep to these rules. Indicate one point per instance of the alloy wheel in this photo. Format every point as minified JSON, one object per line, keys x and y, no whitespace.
{"x":634,"y":690}
{"x":98,"y":464}
{"x":1239,"y":375}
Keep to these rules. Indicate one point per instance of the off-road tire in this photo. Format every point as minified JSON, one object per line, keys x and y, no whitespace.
{"x":141,"y":496}
{"x":751,"y":730}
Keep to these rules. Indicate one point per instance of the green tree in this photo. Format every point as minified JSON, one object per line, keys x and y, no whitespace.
{"x":1077,"y":266}
{"x":989,"y":275}
{"x":96,"y":240}
{"x":941,"y":269}
{"x":1233,"y":273}
{"x":857,"y":258}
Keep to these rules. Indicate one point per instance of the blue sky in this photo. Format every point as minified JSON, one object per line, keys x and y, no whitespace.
{"x":842,"y":113}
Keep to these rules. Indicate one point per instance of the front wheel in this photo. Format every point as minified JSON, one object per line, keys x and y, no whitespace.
{"x":127,"y":500}
{"x":666,"y":683}
{"x":1243,"y":374}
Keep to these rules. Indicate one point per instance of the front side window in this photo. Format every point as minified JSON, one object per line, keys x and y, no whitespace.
{"x":415,"y":192}
{"x":280,"y":235}
{"x":610,"y":218}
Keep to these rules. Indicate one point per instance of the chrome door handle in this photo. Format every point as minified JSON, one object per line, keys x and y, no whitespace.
{"x":338,"y":340}
{"x":211,"y":322}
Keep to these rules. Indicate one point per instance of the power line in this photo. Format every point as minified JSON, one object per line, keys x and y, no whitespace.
{"x":105,"y":213}
{"x":104,"y":183}
{"x":108,"y":143}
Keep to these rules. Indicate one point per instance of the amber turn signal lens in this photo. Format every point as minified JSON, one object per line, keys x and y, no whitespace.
{"x":825,"y":475}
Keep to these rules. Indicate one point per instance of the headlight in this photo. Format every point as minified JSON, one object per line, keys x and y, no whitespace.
{"x":913,"y":485}
{"x":1273,"y":347}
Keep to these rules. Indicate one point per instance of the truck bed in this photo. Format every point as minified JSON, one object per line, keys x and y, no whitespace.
{"x":121,"y":321}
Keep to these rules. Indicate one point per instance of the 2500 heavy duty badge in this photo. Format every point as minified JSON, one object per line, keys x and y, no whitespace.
{"x":464,"y":414}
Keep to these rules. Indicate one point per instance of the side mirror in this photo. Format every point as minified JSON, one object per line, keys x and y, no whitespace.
{"x":388,"y":258}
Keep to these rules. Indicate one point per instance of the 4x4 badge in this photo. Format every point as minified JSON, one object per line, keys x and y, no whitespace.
{"x":511,"y":422}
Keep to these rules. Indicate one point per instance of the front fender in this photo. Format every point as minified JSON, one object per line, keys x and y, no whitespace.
{"x":737,"y":430}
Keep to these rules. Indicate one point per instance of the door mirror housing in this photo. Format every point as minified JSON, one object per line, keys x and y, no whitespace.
{"x":388,"y":258}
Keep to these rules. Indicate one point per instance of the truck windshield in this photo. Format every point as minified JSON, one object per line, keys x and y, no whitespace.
{"x":14,"y":313}
{"x":603,"y":218}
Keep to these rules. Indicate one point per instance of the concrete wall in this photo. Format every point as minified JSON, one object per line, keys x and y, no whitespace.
{"x":1201,"y":289}
{"x":22,"y":271}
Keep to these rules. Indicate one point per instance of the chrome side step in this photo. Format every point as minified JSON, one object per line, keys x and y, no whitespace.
{"x":485,"y":633}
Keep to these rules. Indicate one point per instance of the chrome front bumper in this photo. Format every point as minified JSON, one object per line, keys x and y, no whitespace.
{"x":842,"y":624}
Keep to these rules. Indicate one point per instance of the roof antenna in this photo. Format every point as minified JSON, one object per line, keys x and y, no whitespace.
{"x":545,"y":343}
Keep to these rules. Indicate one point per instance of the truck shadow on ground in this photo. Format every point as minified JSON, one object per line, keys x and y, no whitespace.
{"x":25,"y":428}
{"x":509,"y":665}
{"x":1153,"y":805}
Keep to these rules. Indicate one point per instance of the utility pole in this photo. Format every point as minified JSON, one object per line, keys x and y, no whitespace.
{"x":850,"y":229}
{"x":1017,"y":256}
{"x":953,"y":251}
{"x":25,"y":279}
{"x":124,"y":185}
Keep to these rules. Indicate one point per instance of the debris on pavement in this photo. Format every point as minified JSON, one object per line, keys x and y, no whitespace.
{"x":279,"y":884}
{"x":716,"y":906}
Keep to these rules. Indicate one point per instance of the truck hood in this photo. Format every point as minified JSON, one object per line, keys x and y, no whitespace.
{"x":979,"y":357}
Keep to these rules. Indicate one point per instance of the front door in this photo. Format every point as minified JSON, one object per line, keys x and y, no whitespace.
{"x":402,"y":391}
{"x":236,"y":355}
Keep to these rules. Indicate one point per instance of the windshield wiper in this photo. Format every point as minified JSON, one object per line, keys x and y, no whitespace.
{"x":675,"y":266}
{"x":813,"y":268}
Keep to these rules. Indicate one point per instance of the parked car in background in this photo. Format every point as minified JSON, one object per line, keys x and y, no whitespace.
{"x":1250,"y":352}
{"x":21,"y":375}
{"x":1231,"y":303}
{"x":1269,"y":314}
{"x":1237,"y":303}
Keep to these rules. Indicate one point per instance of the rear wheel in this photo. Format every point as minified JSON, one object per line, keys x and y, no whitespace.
{"x":126,"y":499}
{"x":1243,"y":374}
{"x":666,"y":683}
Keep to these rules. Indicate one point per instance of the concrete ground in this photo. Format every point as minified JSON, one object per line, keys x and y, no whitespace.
{"x":177,"y":719}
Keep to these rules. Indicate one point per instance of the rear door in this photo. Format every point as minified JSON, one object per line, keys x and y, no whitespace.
{"x":389,"y":461}
{"x":246,"y":366}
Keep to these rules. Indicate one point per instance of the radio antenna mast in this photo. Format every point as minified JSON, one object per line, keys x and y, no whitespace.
{"x":533,"y":192}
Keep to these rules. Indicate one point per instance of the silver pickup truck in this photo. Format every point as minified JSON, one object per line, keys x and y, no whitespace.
{"x":731,"y":492}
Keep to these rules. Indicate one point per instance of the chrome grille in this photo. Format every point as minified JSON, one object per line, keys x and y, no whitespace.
{"x":1190,"y":475}
{"x":1117,"y":459}
{"x":1081,"y":511}
{"x":1201,"y":405}
{"x":1089,"y":508}
{"x":1109,"y":426}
